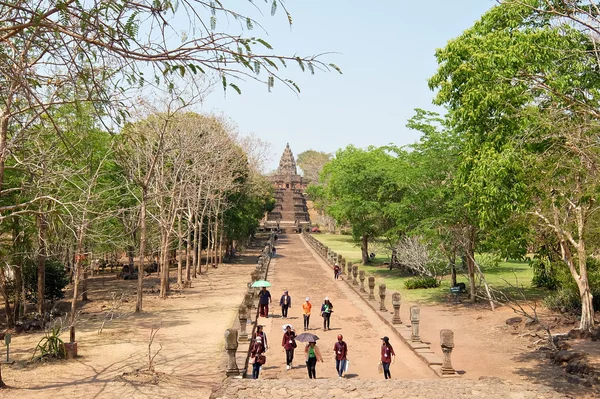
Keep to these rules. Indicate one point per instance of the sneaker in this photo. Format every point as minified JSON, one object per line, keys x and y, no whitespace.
{"x":287,"y":367}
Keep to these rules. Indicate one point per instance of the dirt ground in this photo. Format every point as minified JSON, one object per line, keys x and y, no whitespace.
{"x":191,"y":358}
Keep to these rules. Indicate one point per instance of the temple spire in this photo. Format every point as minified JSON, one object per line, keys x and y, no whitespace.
{"x":287,"y":164}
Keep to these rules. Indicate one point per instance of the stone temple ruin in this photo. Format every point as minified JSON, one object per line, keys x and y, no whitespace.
{"x":290,"y":210}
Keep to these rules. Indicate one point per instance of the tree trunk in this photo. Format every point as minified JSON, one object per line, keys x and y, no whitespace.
{"x":587,"y":305}
{"x":41,"y":262}
{"x":84,"y":286}
{"x":179,"y":256}
{"x":140,"y":282}
{"x":364,"y":248}
{"x":164,"y":278}
{"x":130,"y":255}
{"x":6,"y":295}
{"x":471,"y":265}
{"x":188,"y":253}
{"x":195,"y":249}
{"x":19,"y":304}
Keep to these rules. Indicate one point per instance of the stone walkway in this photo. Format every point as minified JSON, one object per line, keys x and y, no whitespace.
{"x":436,"y":389}
{"x":296,"y":269}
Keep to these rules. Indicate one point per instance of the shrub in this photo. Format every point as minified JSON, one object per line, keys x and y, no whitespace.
{"x":566,"y":298}
{"x":56,"y":280}
{"x":545,"y":273}
{"x":421,"y":282}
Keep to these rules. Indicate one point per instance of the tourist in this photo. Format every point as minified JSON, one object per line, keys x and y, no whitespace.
{"x":326,"y":309}
{"x":336,"y":271}
{"x":274,"y":251}
{"x":261,"y":334}
{"x":387,"y":357}
{"x":313,"y":354}
{"x":306,"y":307}
{"x":289,"y":344}
{"x":285,"y":302}
{"x":264,"y":298}
{"x":257,"y":353}
{"x":341,"y":355}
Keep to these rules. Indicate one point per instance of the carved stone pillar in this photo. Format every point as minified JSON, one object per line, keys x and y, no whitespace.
{"x":243,"y":317}
{"x":415,"y":314}
{"x":396,"y":302}
{"x":231,"y":345}
{"x":339,"y":259}
{"x":249,"y":302}
{"x":447,"y":341}
{"x":361,"y":277}
{"x":371,"y":288}
{"x":355,"y":274}
{"x":343,"y":265}
{"x":382,"y":298}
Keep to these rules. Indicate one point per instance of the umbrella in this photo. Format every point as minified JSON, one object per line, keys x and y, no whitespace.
{"x":285,"y":326}
{"x":261,"y":283}
{"x":307,"y":337}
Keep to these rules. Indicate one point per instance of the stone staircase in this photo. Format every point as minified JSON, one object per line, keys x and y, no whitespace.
{"x":290,"y":206}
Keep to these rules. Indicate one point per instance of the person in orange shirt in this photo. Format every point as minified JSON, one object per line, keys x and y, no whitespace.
{"x":306,"y":307}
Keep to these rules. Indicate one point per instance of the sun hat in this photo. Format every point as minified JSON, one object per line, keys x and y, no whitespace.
{"x":326,"y":298}
{"x":307,"y":298}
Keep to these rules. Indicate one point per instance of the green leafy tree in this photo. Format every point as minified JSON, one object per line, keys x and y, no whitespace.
{"x":311,"y":162}
{"x":519,"y":88}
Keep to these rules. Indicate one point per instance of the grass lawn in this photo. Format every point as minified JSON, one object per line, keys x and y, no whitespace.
{"x":515,"y":273}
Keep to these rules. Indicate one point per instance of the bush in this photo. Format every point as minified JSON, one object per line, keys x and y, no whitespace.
{"x":56,"y":280}
{"x":421,"y":282}
{"x":566,"y":298}
{"x":545,"y":273}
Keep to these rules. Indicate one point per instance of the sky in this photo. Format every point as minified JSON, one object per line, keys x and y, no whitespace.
{"x":386,"y":50}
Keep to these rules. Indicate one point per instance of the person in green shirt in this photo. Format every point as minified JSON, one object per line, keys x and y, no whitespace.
{"x":313,"y":354}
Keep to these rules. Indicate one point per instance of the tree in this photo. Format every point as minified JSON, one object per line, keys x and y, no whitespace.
{"x":355,"y":186}
{"x":312,"y":162}
{"x":520,"y":87}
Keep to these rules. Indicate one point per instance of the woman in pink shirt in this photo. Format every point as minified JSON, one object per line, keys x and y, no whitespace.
{"x":387,"y":357}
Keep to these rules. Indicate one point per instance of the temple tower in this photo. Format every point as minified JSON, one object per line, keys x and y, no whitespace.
{"x":290,"y":208}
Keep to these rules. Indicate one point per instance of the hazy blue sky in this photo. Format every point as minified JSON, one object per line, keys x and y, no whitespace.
{"x":386,"y":51}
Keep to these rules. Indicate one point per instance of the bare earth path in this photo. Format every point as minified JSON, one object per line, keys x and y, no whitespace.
{"x":296,"y":269}
{"x":191,"y":335}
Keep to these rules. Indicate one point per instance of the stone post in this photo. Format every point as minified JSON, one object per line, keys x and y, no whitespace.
{"x":371,"y":288}
{"x":333,"y":258}
{"x":382,"y":298}
{"x":249,"y":302}
{"x":447,"y":341}
{"x":339,"y":259}
{"x":361,"y":277}
{"x":231,"y":345}
{"x":396,"y":302}
{"x":343,"y":265}
{"x":355,"y":274}
{"x":415,"y":314}
{"x":243,"y":317}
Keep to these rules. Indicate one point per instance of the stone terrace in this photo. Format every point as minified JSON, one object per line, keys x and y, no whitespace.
{"x":489,"y":388}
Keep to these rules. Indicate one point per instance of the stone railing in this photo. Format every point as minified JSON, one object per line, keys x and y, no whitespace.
{"x":238,"y":341}
{"x":409,"y":334}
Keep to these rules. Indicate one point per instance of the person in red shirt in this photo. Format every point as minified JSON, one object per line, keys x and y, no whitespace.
{"x":387,"y":357}
{"x":289,"y":344}
{"x":341,"y":355}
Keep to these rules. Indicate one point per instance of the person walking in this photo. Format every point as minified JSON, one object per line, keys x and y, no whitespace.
{"x":264,"y":299}
{"x":289,"y":344}
{"x":263,"y":336}
{"x":336,"y":271}
{"x":285,"y":302}
{"x":306,"y":307}
{"x":313,"y":354}
{"x":387,"y":357}
{"x":326,"y":309}
{"x":257,"y":353}
{"x":341,"y":355}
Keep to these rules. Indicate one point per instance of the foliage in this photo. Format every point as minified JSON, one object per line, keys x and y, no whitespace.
{"x":56,"y":280}
{"x":51,"y":345}
{"x":312,"y":162}
{"x":421,"y":282}
{"x":488,"y":260}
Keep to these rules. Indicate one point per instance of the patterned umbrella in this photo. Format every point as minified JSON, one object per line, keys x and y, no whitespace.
{"x":307,"y":337}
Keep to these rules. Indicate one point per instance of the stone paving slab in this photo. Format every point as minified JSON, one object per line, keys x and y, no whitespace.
{"x":346,"y":388}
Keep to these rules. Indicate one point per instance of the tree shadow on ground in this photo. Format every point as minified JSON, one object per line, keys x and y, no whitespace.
{"x":542,"y":371}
